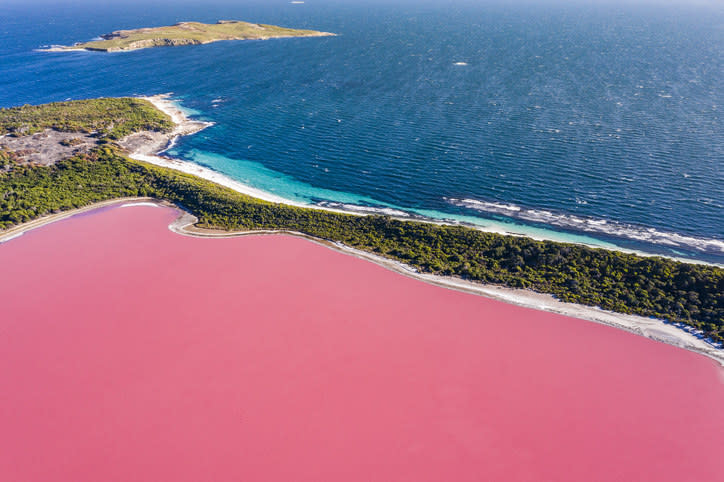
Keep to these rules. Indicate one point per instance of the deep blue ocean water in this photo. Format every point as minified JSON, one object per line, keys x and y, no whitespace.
{"x":599,"y":124}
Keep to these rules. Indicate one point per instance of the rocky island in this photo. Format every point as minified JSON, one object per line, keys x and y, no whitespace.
{"x":187,"y":33}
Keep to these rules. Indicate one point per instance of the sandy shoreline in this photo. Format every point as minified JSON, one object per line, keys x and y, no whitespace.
{"x":651,"y":328}
{"x":152,"y":152}
{"x":61,"y":49}
{"x":152,"y":145}
{"x":149,"y":147}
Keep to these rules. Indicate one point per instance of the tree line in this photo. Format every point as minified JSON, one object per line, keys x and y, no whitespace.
{"x":621,"y":282}
{"x":109,"y":118}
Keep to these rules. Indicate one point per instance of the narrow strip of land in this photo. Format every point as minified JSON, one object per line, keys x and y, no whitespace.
{"x":186,"y":224}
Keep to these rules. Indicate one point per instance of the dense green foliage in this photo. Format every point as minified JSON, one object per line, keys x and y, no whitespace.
{"x":678,"y":292}
{"x":7,"y":159}
{"x":111,"y":118}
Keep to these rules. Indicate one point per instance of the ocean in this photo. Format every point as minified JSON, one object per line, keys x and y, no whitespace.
{"x":598,"y":124}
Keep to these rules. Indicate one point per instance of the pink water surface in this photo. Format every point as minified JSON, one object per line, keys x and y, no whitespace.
{"x":128,"y":352}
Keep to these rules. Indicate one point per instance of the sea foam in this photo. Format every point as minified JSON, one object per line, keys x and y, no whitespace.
{"x":355,"y":208}
{"x":593,"y":225}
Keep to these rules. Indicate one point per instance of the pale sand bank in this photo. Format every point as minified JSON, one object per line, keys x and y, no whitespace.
{"x":60,"y":49}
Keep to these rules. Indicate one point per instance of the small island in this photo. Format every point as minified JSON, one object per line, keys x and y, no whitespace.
{"x":187,"y":33}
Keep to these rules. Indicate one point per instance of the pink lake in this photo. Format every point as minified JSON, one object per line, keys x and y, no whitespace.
{"x":128,"y":352}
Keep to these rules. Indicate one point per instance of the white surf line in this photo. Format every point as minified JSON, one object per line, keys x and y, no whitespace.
{"x":590,"y":225}
{"x":60,"y":49}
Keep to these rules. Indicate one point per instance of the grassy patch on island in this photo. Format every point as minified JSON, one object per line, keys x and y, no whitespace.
{"x":191,"y":33}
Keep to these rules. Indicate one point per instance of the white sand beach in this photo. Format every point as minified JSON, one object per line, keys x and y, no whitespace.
{"x":150,"y":146}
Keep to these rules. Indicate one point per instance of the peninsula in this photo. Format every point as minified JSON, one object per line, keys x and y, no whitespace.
{"x":188,"y":33}
{"x":68,"y":155}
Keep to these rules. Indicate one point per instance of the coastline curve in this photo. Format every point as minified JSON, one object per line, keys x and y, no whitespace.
{"x":184,"y":224}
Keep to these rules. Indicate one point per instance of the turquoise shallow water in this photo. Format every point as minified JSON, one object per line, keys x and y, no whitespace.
{"x":597,"y":124}
{"x":287,"y":187}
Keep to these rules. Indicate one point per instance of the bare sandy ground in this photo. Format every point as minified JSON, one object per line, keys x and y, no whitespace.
{"x":46,"y":147}
{"x":149,"y":143}
{"x":60,"y":48}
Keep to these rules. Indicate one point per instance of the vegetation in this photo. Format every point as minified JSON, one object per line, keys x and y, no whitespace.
{"x":678,"y":292}
{"x":7,"y":160}
{"x":112,"y":118}
{"x":73,"y":141}
{"x":190,"y":33}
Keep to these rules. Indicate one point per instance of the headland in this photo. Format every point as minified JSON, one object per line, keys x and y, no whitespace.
{"x":580,"y":278}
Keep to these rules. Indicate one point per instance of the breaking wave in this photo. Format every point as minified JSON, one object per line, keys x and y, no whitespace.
{"x":591,"y":225}
{"x":355,"y":208}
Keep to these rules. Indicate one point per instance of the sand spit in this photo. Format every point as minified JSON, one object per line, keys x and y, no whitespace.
{"x":60,"y":48}
{"x":148,"y":143}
